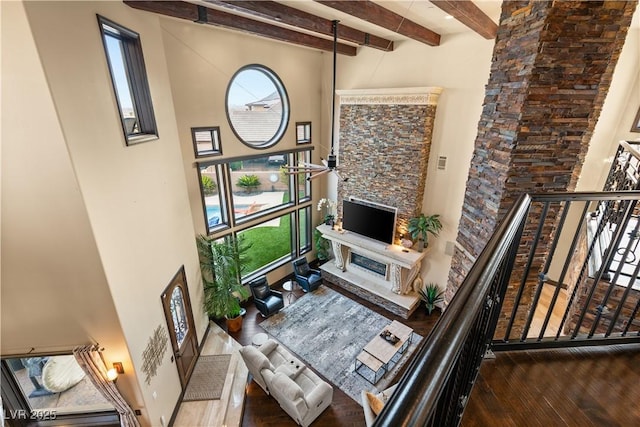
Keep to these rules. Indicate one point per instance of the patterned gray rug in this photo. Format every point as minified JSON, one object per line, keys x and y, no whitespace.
{"x":327,"y":331}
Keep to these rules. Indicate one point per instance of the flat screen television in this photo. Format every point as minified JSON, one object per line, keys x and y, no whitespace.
{"x":369,"y":219}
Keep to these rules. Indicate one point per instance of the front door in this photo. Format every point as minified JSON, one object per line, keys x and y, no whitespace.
{"x":177,"y":310}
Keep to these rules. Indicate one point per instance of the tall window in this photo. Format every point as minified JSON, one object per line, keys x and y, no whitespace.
{"x":252,"y":197}
{"x":257,"y":185}
{"x":257,"y":106}
{"x":213,"y":197}
{"x":129,"y":77}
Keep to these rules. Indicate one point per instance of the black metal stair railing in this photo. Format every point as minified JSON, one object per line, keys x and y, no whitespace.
{"x":437,"y":382}
{"x":545,"y":279}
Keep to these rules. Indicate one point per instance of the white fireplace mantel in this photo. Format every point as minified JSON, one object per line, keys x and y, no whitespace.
{"x":402,"y":265}
{"x":390,"y":96}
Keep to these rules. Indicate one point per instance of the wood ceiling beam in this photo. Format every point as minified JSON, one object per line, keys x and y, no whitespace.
{"x":288,"y":15}
{"x":189,"y":11}
{"x":470,"y":15}
{"x":378,"y":15}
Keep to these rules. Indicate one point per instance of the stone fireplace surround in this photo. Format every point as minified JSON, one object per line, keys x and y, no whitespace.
{"x":383,"y":149}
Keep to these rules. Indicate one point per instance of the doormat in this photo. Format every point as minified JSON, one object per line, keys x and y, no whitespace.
{"x":207,"y":379}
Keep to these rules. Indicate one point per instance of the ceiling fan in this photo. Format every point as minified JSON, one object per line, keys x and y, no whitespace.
{"x":331,"y":163}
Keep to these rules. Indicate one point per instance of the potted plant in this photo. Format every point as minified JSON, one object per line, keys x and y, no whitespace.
{"x":221,"y":265}
{"x":431,"y":295}
{"x":420,"y":227}
{"x":322,"y":246}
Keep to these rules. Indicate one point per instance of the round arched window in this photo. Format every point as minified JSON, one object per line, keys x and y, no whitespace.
{"x":257,"y":106}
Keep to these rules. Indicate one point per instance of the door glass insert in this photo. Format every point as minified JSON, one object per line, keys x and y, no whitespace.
{"x":179,"y":316}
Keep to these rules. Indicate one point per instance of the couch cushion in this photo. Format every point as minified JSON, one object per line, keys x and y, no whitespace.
{"x":261,"y":291}
{"x":255,"y":357}
{"x":273,"y":303}
{"x":286,"y":386}
{"x":313,"y":278}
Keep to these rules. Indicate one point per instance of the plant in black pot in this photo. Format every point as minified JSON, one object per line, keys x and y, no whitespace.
{"x":420,"y":227}
{"x":221,"y":265}
{"x":431,"y":295}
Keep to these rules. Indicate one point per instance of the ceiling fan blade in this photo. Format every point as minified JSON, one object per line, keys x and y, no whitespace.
{"x":318,"y":173}
{"x":313,"y":165}
{"x":340,"y":176}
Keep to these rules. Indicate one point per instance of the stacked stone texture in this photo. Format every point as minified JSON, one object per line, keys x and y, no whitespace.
{"x":551,"y":70}
{"x":384,"y":151}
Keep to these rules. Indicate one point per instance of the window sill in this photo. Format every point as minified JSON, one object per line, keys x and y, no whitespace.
{"x":138,"y":139}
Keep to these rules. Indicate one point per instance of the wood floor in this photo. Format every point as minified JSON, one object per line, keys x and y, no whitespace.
{"x":574,"y":387}
{"x":594,"y":386}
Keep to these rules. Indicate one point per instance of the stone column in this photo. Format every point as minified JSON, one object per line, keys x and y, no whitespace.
{"x":552,"y":67}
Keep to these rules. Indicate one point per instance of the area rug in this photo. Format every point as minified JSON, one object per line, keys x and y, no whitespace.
{"x":327,"y":331}
{"x":207,"y":379}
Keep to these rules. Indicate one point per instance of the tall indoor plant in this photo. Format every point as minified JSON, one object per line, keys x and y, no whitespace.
{"x":421,"y":226}
{"x":221,"y":264}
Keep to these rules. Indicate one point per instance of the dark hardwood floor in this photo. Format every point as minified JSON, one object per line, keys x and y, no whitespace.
{"x":263,"y":410}
{"x":589,"y":386}
{"x":595,"y":386}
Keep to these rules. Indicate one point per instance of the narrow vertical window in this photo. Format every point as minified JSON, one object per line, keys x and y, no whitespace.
{"x":129,"y":78}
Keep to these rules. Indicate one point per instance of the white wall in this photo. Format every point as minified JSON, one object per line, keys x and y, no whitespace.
{"x":619,"y":110}
{"x":135,"y":197}
{"x":54,"y":290}
{"x":460,"y":65}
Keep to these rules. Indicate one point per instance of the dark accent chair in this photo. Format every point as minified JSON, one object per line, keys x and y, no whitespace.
{"x":308,"y":278}
{"x":266,"y":299}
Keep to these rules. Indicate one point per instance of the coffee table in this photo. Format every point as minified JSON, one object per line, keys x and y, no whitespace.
{"x":378,"y":354}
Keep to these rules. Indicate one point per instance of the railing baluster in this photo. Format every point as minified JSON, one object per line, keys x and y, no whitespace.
{"x":552,"y":252}
{"x":525,"y":274}
{"x":565,"y":267}
{"x":598,"y":277}
{"x":619,"y":233}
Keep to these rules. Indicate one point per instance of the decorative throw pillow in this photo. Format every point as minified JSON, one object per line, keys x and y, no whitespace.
{"x":375,"y":403}
{"x":286,"y":386}
{"x":60,"y":373}
{"x":255,"y":357}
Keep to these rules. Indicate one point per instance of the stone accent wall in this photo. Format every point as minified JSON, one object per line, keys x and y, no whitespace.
{"x":385,"y":143}
{"x":552,"y":67}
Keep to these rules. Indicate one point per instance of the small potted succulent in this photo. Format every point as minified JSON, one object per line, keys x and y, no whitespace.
{"x":431,"y":295}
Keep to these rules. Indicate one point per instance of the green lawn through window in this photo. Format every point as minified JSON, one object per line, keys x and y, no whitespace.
{"x":268,"y":243}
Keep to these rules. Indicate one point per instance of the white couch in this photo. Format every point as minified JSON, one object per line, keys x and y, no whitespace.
{"x":269,"y":356}
{"x":299,"y":391}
